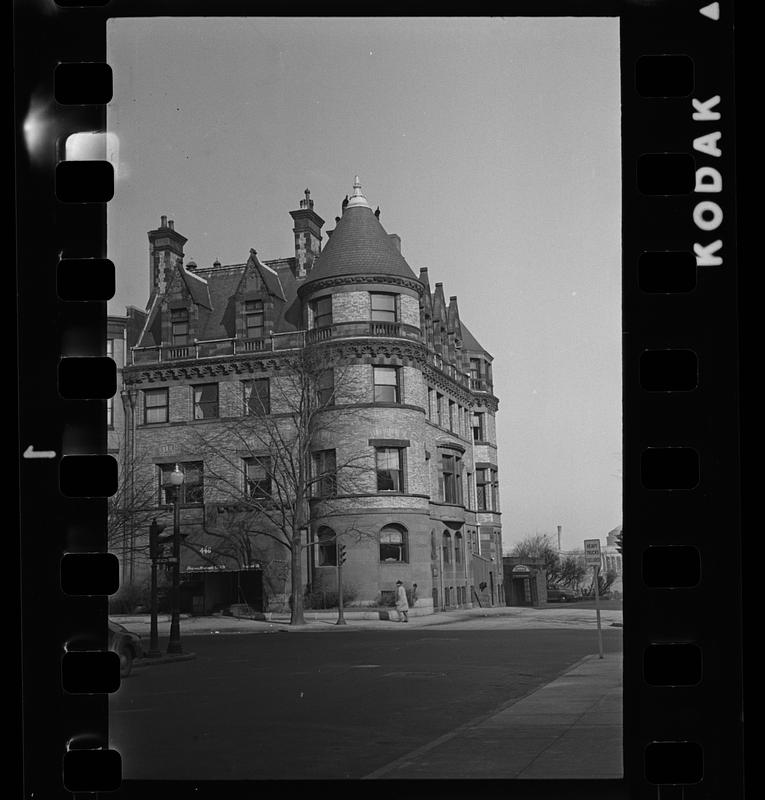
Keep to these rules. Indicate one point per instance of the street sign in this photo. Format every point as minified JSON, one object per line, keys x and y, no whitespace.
{"x":592,"y":559}
{"x":592,"y":552}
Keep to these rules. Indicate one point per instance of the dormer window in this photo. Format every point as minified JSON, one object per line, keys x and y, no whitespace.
{"x":253,"y":319}
{"x":383,"y":307}
{"x":179,"y":324}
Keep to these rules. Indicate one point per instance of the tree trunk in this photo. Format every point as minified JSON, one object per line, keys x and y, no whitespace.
{"x":297,"y":616}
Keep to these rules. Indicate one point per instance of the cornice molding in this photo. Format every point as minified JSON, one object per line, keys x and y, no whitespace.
{"x":309,"y":287}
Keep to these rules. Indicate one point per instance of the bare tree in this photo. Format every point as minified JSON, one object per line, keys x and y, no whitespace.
{"x":572,"y":571}
{"x":279,"y":467}
{"x":540,"y":547}
{"x":130,"y":512}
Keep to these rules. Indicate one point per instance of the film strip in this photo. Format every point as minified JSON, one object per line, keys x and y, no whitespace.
{"x":683,"y":643}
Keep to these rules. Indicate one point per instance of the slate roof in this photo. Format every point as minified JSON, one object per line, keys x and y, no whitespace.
{"x":359,"y":245}
{"x":469,"y":342}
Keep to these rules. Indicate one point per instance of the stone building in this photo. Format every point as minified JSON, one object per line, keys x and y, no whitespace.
{"x":399,"y":452}
{"x":122,"y":333}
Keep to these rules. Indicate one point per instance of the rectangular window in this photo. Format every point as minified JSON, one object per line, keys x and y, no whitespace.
{"x":192,"y":488}
{"x":156,"y":406}
{"x":458,"y":549}
{"x":256,"y":395}
{"x":205,"y":401}
{"x":179,"y":325}
{"x":486,"y":489}
{"x":325,"y":473}
{"x":475,"y":368}
{"x":440,"y":409}
{"x":451,"y":479}
{"x":430,"y":404}
{"x":479,"y":433}
{"x":258,"y":477}
{"x":386,"y":388}
{"x":390,"y":473}
{"x":325,"y":388}
{"x":110,"y":348}
{"x":253,"y":319}
{"x":110,"y":412}
{"x":452,"y":419}
{"x":470,"y":498}
{"x":383,"y":307}
{"x":322,"y":312}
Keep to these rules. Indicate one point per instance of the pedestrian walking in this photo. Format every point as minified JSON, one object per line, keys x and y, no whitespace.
{"x":402,"y":606}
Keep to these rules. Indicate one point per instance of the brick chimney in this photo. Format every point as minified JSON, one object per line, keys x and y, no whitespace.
{"x":165,"y":253}
{"x":395,"y":241}
{"x":307,"y":232}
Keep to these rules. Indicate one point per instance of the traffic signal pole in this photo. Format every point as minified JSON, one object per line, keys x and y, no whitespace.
{"x":340,"y":560}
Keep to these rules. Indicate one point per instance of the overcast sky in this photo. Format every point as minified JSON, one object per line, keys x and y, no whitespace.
{"x":492,"y":148}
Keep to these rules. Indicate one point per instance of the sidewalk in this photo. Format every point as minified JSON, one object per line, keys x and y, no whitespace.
{"x":569,"y":728}
{"x":512,"y":616}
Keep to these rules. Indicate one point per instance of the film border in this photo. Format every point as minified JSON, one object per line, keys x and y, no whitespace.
{"x":681,"y":737}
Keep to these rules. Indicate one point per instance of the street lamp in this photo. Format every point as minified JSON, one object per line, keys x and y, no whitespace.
{"x":175,"y":480}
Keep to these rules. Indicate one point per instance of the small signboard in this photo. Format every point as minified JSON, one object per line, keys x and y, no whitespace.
{"x":592,"y":552}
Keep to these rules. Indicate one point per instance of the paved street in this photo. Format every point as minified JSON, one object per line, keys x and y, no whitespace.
{"x":375,"y":700}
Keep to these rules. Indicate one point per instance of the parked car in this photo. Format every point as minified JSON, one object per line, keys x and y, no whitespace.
{"x":126,"y":644}
{"x":561,"y":595}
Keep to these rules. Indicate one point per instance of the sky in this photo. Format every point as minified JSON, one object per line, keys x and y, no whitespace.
{"x":491,"y":146}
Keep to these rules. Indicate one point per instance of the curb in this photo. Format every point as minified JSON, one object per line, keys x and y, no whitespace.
{"x":150,"y":661}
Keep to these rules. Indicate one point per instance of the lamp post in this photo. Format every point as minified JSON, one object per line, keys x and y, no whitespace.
{"x":175,"y":480}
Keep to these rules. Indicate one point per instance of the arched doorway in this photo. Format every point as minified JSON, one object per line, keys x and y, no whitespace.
{"x":523,"y":589}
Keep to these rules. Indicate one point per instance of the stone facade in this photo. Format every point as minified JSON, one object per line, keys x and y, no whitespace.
{"x":400,"y":438}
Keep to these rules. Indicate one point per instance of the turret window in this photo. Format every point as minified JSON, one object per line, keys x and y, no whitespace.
{"x":386,"y":385}
{"x":322,"y":312}
{"x":383,"y":307}
{"x":390,"y":472}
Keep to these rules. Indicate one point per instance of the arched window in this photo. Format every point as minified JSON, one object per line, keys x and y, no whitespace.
{"x":447,"y":547}
{"x":393,"y":544}
{"x":457,"y":548}
{"x":327,"y":547}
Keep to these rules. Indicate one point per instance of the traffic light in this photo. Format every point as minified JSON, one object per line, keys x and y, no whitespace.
{"x":341,"y":554}
{"x":157,"y":542}
{"x":154,"y":531}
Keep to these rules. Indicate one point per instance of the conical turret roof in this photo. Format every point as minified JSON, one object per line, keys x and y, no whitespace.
{"x":359,"y":245}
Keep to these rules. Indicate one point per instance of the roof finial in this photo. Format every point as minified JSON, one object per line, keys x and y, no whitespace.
{"x":357,"y":198}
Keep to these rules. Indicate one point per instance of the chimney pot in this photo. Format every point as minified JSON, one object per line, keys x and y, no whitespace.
{"x":171,"y":225}
{"x":163,"y":221}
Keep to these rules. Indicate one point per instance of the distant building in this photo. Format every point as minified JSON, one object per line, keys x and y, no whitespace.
{"x":406,"y":385}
